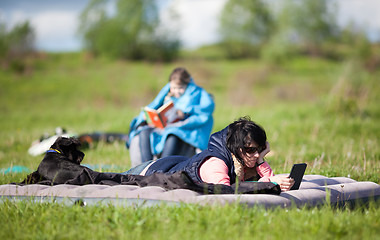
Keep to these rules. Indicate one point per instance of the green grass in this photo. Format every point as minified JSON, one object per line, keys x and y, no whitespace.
{"x":26,"y":220}
{"x":320,"y":112}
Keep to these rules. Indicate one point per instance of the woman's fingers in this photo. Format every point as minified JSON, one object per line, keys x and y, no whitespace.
{"x":267,"y":146}
{"x":266,"y":150}
{"x":285,"y":183}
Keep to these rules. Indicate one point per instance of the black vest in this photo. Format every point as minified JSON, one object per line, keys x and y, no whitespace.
{"x":216,"y":148}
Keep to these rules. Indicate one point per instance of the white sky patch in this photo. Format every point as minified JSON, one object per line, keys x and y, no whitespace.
{"x":56,"y":30}
{"x":16,"y":17}
{"x":363,"y":13}
{"x":199,"y":21}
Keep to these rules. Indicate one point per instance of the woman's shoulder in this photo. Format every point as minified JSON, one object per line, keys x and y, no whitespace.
{"x":194,"y":89}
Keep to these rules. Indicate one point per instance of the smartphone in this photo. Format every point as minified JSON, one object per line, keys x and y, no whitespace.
{"x":297,"y":173}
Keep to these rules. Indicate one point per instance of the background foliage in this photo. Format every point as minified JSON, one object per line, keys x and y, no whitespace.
{"x":258,"y":29}
{"x":244,"y":27}
{"x":15,"y":44}
{"x":133,"y":32}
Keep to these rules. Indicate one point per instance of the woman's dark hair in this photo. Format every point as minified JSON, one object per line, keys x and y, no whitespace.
{"x":241,"y":133}
{"x":180,"y":74}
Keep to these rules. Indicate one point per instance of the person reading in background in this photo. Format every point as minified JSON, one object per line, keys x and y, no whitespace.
{"x":182,"y":135}
{"x":235,"y":153}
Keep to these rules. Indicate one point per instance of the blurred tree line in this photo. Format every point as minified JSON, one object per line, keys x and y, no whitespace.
{"x":271,"y":30}
{"x":279,"y":30}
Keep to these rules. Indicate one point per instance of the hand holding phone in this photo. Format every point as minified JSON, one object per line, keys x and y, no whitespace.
{"x":297,"y":173}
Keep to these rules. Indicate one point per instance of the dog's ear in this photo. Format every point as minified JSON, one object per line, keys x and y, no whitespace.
{"x":69,"y":148}
{"x":70,"y":142}
{"x":60,"y":142}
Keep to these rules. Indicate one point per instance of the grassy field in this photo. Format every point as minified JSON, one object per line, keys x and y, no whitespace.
{"x":321,"y":112}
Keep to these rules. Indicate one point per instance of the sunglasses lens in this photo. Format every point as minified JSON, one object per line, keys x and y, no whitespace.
{"x":250,"y":150}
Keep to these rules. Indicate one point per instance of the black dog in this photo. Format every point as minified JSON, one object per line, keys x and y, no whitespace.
{"x":61,"y":162}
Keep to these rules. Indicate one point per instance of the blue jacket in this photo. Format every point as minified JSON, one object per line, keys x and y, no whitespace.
{"x":195,"y":129}
{"x":216,"y":148}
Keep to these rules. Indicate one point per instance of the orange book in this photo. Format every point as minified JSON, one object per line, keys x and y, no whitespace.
{"x":161,"y":117}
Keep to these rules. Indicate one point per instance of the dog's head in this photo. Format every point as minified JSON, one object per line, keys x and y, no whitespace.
{"x":69,"y":148}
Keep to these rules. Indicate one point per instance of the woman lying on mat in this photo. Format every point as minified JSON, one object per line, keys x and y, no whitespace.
{"x":234,"y":153}
{"x":190,"y":130}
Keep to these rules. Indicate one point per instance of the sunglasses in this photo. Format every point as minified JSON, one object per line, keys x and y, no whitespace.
{"x":251,"y":150}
